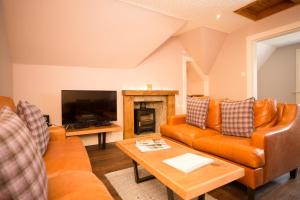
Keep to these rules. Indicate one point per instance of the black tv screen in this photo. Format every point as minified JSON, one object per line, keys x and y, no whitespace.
{"x":90,"y":107}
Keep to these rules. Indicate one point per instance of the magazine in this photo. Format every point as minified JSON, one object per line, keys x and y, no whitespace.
{"x":145,"y":145}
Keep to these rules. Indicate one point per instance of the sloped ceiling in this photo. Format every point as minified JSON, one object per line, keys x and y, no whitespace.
{"x":283,"y":40}
{"x":93,"y":33}
{"x":265,"y":48}
{"x":199,"y":12}
{"x":203,"y":44}
{"x":263,"y":52}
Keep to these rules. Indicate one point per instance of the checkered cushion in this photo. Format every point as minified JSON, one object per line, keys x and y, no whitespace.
{"x":197,"y":109}
{"x":237,"y":118}
{"x":36,"y":123}
{"x":22,"y":171}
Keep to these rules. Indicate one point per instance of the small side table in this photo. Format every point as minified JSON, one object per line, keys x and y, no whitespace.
{"x":100,"y":131}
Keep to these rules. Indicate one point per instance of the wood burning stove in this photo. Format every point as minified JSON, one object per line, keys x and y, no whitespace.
{"x":144,"y":119}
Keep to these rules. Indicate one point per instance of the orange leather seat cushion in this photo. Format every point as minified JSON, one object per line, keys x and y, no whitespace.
{"x":236,"y":149}
{"x":265,"y":113}
{"x":76,"y":185}
{"x":185,"y":133}
{"x":68,"y":154}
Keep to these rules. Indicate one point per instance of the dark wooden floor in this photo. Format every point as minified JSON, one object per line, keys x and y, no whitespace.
{"x":112,"y":159}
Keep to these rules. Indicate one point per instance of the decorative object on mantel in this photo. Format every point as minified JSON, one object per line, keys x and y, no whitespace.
{"x":195,"y":95}
{"x":149,"y":86}
{"x":165,"y":97}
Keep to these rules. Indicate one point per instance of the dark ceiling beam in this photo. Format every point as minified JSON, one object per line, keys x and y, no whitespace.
{"x":260,"y":9}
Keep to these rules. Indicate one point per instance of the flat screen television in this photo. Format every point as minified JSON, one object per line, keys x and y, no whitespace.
{"x":88,"y":108}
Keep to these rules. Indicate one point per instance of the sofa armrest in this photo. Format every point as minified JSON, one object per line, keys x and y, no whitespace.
{"x":177,"y":119}
{"x":57,"y":133}
{"x":259,"y":138}
{"x":280,"y":144}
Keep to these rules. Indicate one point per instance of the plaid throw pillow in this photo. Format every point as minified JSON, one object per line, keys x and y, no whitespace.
{"x":22,"y":171}
{"x":237,"y":118}
{"x":197,"y":109}
{"x":36,"y":123}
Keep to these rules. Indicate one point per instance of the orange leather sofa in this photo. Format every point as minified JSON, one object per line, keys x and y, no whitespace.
{"x":272,"y":151}
{"x":68,"y":167}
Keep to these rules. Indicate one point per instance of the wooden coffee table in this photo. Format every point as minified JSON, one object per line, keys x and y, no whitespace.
{"x":187,"y":186}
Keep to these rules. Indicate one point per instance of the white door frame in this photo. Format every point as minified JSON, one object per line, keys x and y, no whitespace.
{"x":252,"y":57}
{"x":204,"y":78}
{"x":297,"y":92}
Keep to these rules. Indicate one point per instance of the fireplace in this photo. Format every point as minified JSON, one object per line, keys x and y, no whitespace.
{"x":161,"y":101}
{"x":144,"y":120}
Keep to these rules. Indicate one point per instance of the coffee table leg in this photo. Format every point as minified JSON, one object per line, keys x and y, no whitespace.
{"x":170,"y":194}
{"x":137,"y":178}
{"x":201,"y":197}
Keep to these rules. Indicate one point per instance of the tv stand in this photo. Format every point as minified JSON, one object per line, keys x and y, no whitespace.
{"x":105,"y":123}
{"x":99,"y":130}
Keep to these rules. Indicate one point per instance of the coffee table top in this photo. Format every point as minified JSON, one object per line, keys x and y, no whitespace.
{"x":188,"y":185}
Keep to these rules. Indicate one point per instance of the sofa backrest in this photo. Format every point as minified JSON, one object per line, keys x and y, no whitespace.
{"x":265,"y":113}
{"x":7,"y":101}
{"x":213,"y":120}
{"x":288,"y":114}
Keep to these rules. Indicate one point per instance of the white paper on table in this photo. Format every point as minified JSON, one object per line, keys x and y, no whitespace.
{"x":188,"y":162}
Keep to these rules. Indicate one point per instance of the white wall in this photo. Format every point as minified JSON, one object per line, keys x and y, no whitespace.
{"x":5,"y":64}
{"x":195,"y":85}
{"x":42,"y":85}
{"x":277,"y":76}
{"x":228,"y":76}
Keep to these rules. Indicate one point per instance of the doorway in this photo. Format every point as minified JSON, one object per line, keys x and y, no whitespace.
{"x":277,"y":75}
{"x":252,"y":62}
{"x":195,"y":82}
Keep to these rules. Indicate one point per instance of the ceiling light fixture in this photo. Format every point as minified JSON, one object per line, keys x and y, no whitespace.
{"x":218,"y":16}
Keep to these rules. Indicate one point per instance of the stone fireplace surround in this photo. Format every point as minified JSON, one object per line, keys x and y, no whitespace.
{"x":162,"y":100}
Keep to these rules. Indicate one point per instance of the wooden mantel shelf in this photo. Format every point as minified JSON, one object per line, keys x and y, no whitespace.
{"x":149,"y":92}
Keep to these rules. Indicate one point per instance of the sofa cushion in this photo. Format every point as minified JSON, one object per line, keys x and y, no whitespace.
{"x":265,"y":113}
{"x":213,"y":120}
{"x":77,"y":185}
{"x":22,"y":170}
{"x":68,"y":154}
{"x":236,"y":149}
{"x":36,"y":123}
{"x":185,"y":133}
{"x":197,"y":109}
{"x":237,"y":117}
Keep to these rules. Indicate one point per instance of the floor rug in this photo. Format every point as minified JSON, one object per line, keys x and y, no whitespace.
{"x":124,"y":184}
